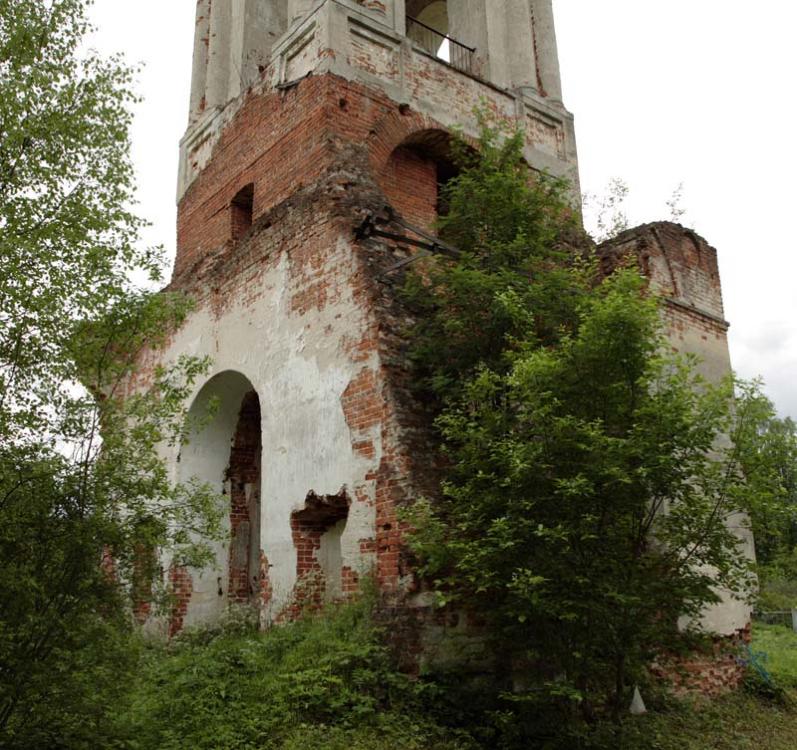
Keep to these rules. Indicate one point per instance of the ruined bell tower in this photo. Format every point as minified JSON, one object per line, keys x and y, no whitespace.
{"x":318,"y":134}
{"x":435,"y":59}
{"x":308,"y":120}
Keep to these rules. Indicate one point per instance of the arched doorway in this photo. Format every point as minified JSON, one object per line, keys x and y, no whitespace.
{"x":223,"y":450}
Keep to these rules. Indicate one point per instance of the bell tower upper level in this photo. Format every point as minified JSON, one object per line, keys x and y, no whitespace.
{"x":441,"y":58}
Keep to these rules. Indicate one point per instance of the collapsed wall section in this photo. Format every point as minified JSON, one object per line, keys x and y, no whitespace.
{"x":683,"y":270}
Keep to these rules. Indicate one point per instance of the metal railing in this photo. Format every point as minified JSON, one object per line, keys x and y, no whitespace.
{"x":442,"y":46}
{"x":784,"y":617}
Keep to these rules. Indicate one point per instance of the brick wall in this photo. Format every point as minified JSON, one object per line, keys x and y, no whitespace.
{"x":180,"y":587}
{"x":680,"y":264}
{"x":682,"y":269}
{"x":282,"y":142}
{"x":145,"y":565}
{"x":717,"y":670}
{"x":410,"y":184}
{"x":320,"y":156}
{"x":244,"y":479}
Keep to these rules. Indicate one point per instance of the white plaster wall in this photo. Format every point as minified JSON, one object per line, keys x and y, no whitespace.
{"x":731,"y":614}
{"x":331,"y":558}
{"x":299,"y":369}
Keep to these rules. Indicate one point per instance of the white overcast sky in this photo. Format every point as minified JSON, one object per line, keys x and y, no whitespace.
{"x":699,"y":92}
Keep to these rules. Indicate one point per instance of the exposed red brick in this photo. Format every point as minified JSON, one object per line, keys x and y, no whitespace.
{"x":410,"y":183}
{"x":308,"y":525}
{"x":144,"y":564}
{"x":181,"y":587}
{"x":719,"y":670}
{"x":243,"y":471}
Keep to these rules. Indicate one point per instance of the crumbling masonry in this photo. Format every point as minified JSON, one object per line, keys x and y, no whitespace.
{"x":307,"y":118}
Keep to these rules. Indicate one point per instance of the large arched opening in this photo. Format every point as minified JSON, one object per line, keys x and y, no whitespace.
{"x":428,"y":24}
{"x":223,"y":450}
{"x":432,"y":13}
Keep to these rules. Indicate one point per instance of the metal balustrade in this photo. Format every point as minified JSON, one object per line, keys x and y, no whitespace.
{"x":442,"y":46}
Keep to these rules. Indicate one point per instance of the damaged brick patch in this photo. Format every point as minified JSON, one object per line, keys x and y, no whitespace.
{"x":320,"y":514}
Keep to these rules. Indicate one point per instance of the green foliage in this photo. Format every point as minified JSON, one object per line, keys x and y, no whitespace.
{"x":557,"y":492}
{"x":516,"y":283}
{"x":606,"y":213}
{"x":769,"y":453}
{"x":67,"y":237}
{"x":590,"y":476}
{"x":72,"y":494}
{"x":778,"y":644}
{"x":327,"y":680}
{"x":328,"y":683}
{"x":734,"y":722}
{"x":768,"y":456}
{"x":778,"y":583}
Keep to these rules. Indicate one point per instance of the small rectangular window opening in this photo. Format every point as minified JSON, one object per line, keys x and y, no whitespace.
{"x":241,"y":210}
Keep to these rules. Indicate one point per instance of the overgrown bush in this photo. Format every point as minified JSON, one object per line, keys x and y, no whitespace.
{"x":75,"y":503}
{"x":590,"y":473}
{"x":326,"y":680}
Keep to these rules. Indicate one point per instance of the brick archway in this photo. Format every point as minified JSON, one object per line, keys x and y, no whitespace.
{"x":391,"y":131}
{"x":414,"y":171}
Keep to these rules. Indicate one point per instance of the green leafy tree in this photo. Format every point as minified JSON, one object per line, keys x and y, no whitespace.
{"x":517,"y":280}
{"x":81,"y":485}
{"x":590,"y":477}
{"x":769,"y":453}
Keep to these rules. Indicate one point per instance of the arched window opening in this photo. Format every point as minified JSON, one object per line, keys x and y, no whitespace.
{"x":416,"y":176}
{"x":241,"y":212}
{"x":432,"y":13}
{"x":428,"y":25}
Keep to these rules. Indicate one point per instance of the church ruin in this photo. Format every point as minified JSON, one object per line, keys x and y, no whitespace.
{"x":307,"y":119}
